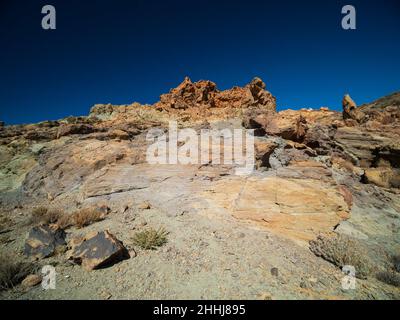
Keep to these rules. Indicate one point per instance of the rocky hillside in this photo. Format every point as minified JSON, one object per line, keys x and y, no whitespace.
{"x":78,"y":194}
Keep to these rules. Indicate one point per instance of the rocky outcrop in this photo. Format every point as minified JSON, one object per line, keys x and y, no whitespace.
{"x":200,"y":98}
{"x":350,"y":110}
{"x":385,"y":110}
{"x":68,"y":129}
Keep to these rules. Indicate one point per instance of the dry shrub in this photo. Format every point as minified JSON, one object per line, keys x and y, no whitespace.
{"x":150,"y":239}
{"x":396,"y":262}
{"x":389,"y":277}
{"x":13,"y":270}
{"x":44,"y":215}
{"x":342,"y":250}
{"x":5,"y":222}
{"x":80,"y":218}
{"x":65,"y":221}
{"x":85,"y":217}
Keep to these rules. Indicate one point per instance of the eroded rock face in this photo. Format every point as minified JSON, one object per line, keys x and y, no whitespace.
{"x":297,"y":202}
{"x":97,"y":250}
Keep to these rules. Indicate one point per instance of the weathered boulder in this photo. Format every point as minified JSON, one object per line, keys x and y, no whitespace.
{"x":254,"y":119}
{"x":97,"y":250}
{"x":31,"y":281}
{"x":262,"y":98}
{"x":350,"y":110}
{"x":382,"y":177}
{"x":43,"y":241}
{"x":263,"y":150}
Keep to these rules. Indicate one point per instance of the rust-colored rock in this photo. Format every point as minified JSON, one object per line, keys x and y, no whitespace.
{"x":202,"y":99}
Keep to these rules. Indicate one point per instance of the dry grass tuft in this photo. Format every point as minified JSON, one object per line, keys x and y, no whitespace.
{"x":80,"y":218}
{"x":5,"y":222}
{"x":44,"y":215}
{"x":150,"y":239}
{"x":13,"y":271}
{"x":85,"y":217}
{"x":342,"y":250}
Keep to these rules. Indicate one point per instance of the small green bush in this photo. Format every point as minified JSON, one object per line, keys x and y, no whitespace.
{"x":150,"y":239}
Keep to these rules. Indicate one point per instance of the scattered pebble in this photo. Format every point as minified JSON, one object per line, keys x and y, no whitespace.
{"x":274,"y":272}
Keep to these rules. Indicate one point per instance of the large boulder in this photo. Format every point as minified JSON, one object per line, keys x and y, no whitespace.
{"x":97,"y":250}
{"x":350,"y":110}
{"x":43,"y":241}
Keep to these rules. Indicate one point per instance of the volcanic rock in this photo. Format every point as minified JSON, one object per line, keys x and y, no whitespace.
{"x":43,"y":241}
{"x":97,"y":250}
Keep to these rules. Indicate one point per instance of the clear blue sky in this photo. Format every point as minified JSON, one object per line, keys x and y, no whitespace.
{"x":124,"y":51}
